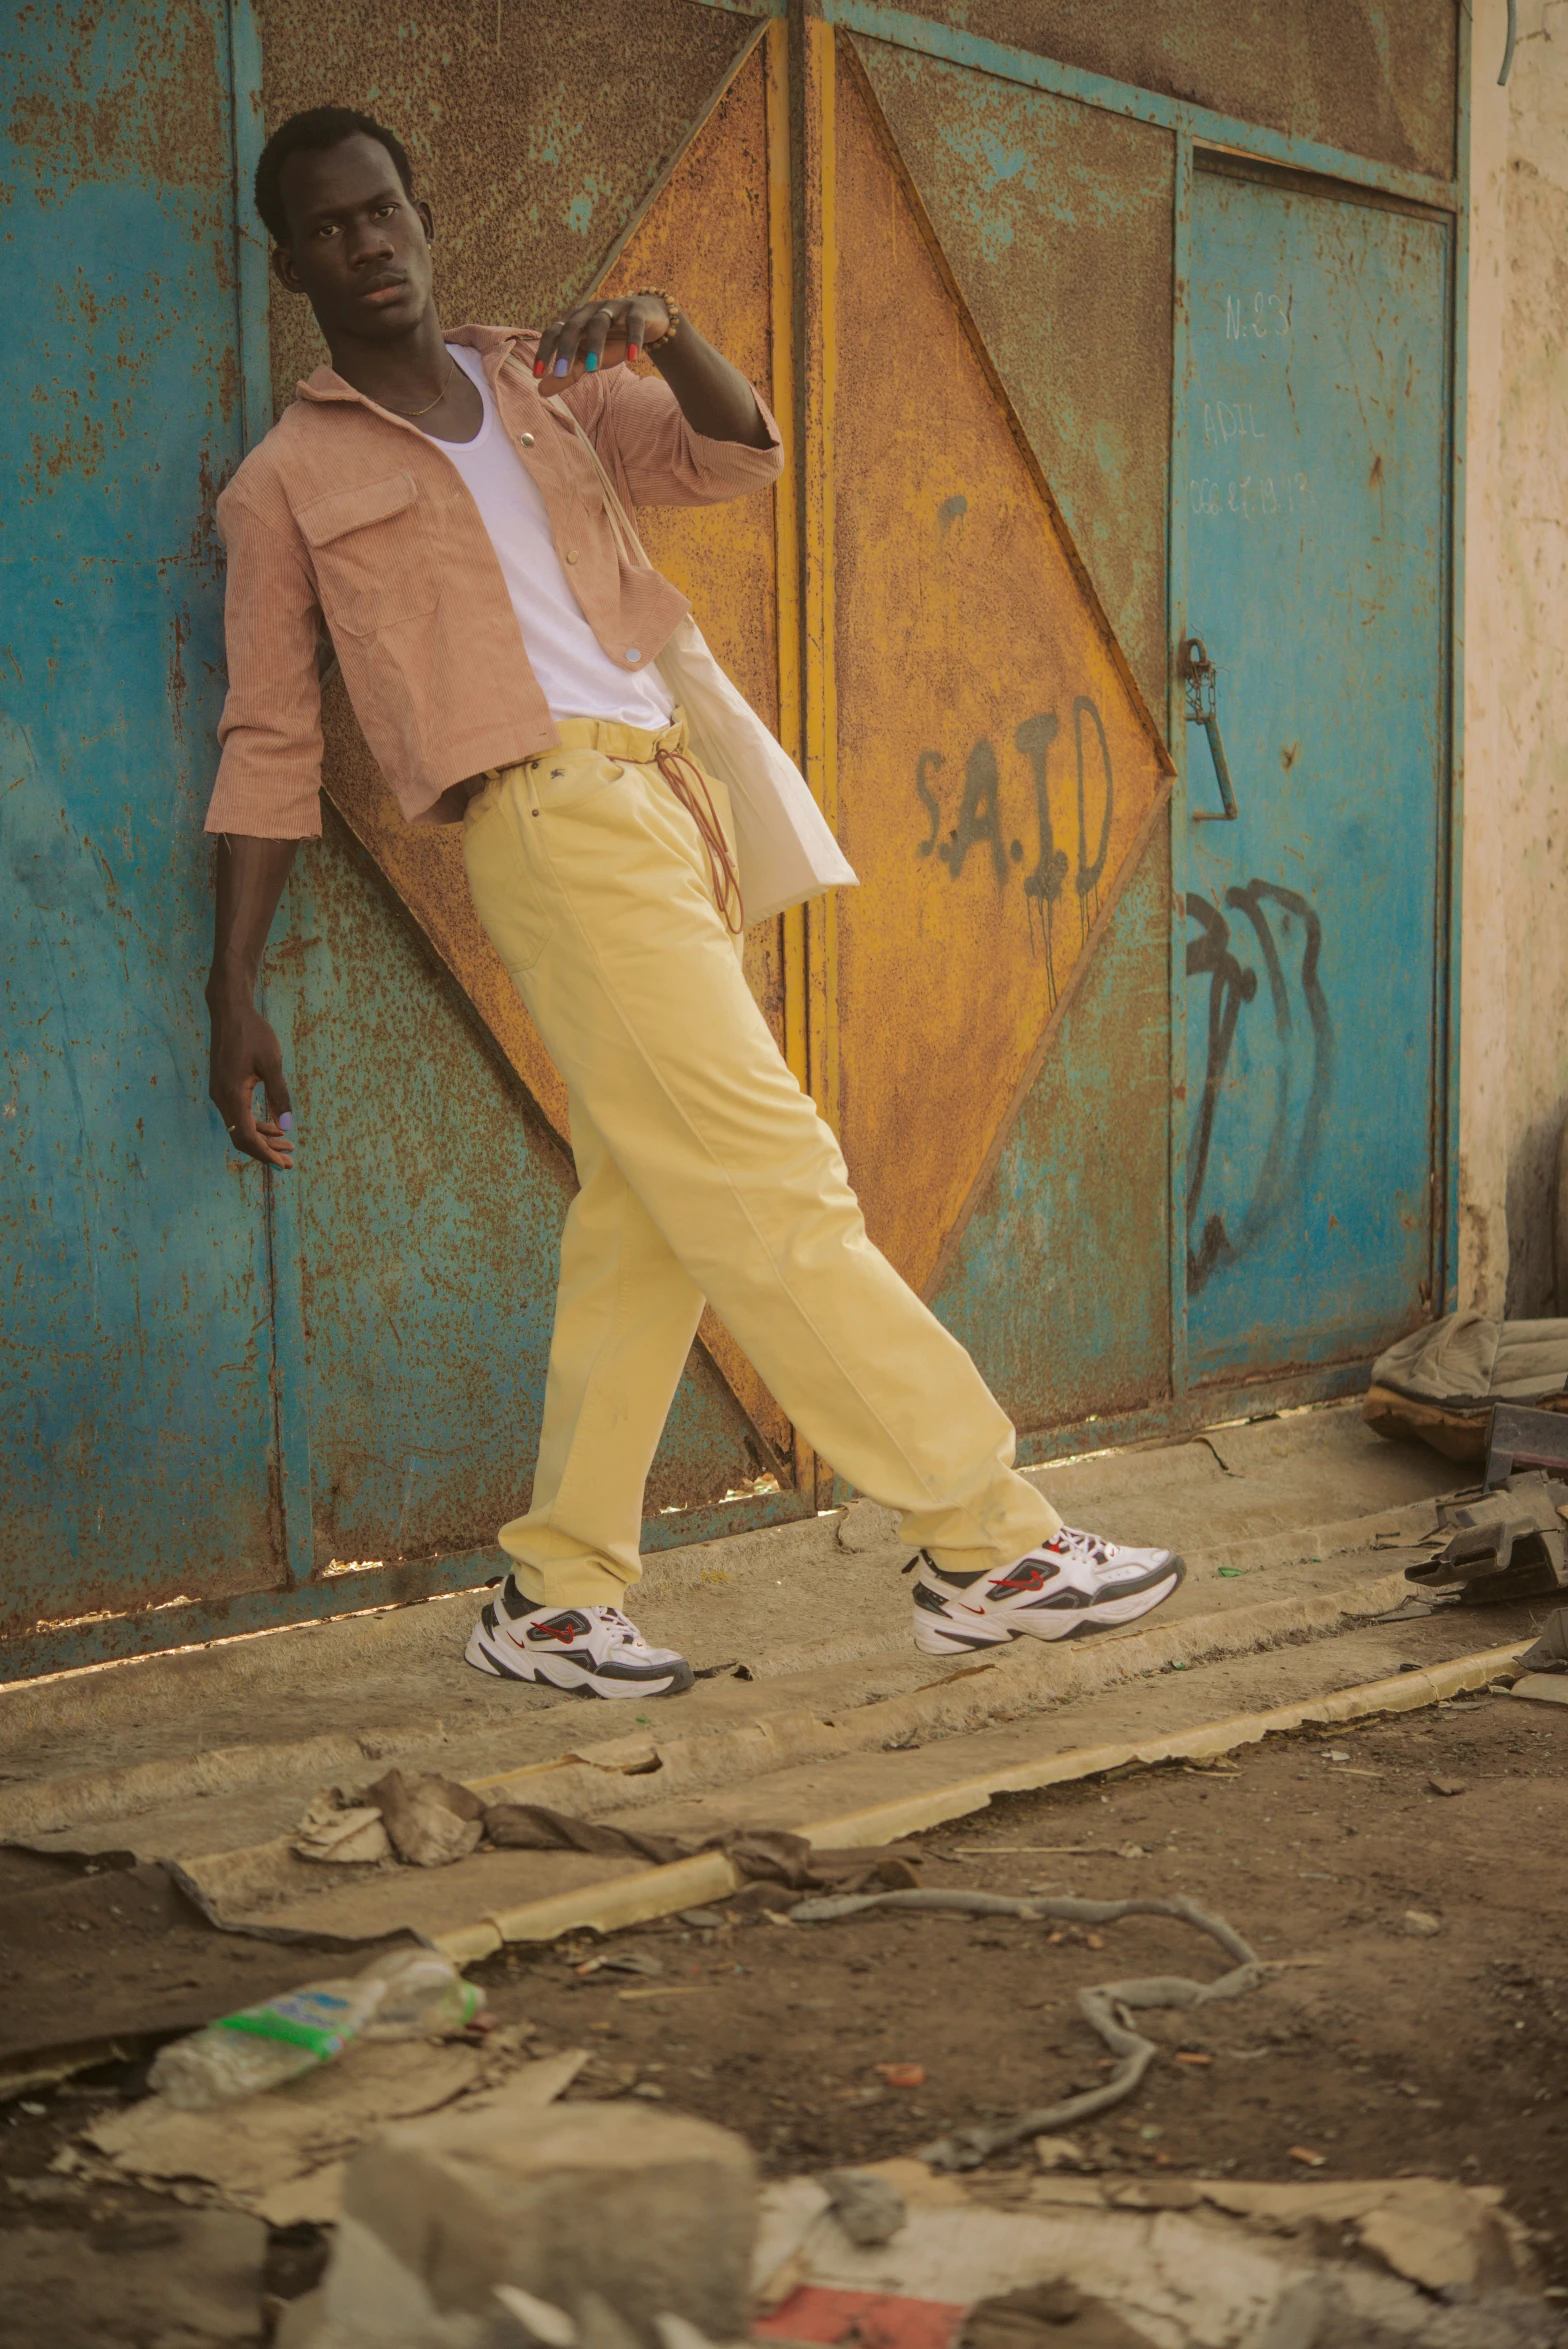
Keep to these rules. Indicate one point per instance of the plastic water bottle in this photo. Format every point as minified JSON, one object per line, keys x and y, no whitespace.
{"x":412,"y":1994}
{"x":423,"y":1997}
{"x":262,"y":2046}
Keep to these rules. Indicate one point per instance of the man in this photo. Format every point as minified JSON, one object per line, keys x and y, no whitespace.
{"x":449,"y":529}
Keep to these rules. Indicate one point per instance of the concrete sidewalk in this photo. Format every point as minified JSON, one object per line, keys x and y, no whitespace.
{"x":1296,"y":1531}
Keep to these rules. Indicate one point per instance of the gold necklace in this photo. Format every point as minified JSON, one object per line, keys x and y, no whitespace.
{"x":411,"y":413}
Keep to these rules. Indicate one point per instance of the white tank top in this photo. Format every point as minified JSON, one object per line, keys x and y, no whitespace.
{"x":574,"y":673}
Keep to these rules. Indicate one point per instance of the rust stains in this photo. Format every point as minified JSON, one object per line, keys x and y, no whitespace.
{"x":177,"y":687}
{"x":999,"y":774}
{"x":537,"y":133}
{"x":1056,"y":222}
{"x":116,"y":90}
{"x":1377,"y":77}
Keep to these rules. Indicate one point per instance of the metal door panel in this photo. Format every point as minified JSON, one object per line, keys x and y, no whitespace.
{"x":1059,"y":1284}
{"x":1375,"y":77}
{"x":138,"y":1410}
{"x":998,"y":775}
{"x":1316,"y":576}
{"x":1056,"y":222}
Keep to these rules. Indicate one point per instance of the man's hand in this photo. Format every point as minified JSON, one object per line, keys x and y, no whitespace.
{"x":715,"y":398}
{"x":245,"y":1048}
{"x":246,"y":1053}
{"x":599,"y":333}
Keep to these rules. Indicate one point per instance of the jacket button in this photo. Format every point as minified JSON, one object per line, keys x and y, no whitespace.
{"x":632,"y":653}
{"x":527,"y":439}
{"x":572,"y":555}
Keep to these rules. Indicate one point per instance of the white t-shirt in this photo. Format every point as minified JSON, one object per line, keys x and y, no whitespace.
{"x":575,"y":674}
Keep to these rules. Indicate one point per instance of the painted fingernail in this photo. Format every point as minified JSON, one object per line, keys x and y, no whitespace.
{"x":561,"y":366}
{"x":538,"y":367}
{"x":590,"y":363}
{"x":286,"y":1120}
{"x":631,"y":353}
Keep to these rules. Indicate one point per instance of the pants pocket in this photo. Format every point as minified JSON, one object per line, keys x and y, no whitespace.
{"x":507,"y":880}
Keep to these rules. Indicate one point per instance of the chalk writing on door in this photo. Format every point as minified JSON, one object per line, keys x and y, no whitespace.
{"x":1224,"y":420}
{"x":1252,"y":495}
{"x":1254,"y":317}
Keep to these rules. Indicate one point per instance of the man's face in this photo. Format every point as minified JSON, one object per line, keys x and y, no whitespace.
{"x":359,"y":247}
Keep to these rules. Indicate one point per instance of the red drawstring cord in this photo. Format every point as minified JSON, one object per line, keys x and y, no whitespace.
{"x":674,"y":766}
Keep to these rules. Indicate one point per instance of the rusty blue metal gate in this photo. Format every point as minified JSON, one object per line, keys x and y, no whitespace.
{"x":226,"y":1403}
{"x":1317,"y":461}
{"x":138,"y":1408}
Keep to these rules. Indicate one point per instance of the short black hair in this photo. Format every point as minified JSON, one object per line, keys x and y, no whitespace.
{"x":312,"y":133}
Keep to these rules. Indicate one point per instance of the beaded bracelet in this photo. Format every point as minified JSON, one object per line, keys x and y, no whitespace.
{"x":672,"y":310}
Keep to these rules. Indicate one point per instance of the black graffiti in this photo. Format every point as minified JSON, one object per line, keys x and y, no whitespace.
{"x":980,"y":818}
{"x":1089,"y":874}
{"x":1282,"y":1175}
{"x":979,"y":815}
{"x":930,"y":762}
{"x":1043,"y":886}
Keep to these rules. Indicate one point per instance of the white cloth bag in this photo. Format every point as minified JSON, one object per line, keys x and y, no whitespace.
{"x":785,"y":851}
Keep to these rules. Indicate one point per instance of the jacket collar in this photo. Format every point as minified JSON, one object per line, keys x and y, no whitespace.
{"x":493,"y":343}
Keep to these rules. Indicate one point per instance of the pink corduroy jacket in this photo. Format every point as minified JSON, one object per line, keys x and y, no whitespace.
{"x":350,"y":516}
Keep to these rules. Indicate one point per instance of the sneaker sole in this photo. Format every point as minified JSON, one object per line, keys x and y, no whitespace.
{"x":933,"y":1638}
{"x":490,"y":1651}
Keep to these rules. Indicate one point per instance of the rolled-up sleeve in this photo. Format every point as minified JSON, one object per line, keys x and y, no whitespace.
{"x":269,"y":776}
{"x":638,"y":426}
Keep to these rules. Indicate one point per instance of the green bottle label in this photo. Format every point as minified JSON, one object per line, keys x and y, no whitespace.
{"x":311,"y":2020}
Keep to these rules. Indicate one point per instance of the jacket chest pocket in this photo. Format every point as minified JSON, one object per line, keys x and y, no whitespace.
{"x":374,"y":555}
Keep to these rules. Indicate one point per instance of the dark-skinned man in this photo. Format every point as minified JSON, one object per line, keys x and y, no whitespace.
{"x":422,"y":502}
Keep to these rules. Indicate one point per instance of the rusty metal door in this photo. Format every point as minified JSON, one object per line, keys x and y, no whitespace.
{"x":991,"y":1022}
{"x":230,"y":1401}
{"x":1316,"y":417}
{"x":231,"y":1404}
{"x":138,"y":1419}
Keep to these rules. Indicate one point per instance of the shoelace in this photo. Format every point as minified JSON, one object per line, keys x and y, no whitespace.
{"x":631,"y":1637}
{"x":1086,"y":1545}
{"x":675,"y":767}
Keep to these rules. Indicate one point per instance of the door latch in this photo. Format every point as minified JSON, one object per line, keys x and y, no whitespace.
{"x":1200,"y":679}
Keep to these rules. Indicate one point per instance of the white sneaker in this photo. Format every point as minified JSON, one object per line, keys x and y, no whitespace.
{"x":590,"y":1648}
{"x":1071,"y":1584}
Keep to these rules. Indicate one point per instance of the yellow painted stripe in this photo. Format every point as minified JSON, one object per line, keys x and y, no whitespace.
{"x":786,"y":495}
{"x":820,"y":356}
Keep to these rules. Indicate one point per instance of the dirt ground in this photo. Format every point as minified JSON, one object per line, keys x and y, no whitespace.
{"x":1378,"y":2048}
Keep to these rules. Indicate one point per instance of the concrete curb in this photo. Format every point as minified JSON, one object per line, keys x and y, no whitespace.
{"x":709,"y":1876}
{"x":619,"y":1773}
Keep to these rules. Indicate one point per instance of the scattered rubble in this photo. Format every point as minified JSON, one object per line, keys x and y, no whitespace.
{"x":610,"y":2215}
{"x":284,"y":2157}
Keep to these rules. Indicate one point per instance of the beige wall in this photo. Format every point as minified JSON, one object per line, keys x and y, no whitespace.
{"x":1514,"y":962}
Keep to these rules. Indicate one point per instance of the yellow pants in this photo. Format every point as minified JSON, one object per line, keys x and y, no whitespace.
{"x":705,"y":1172}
